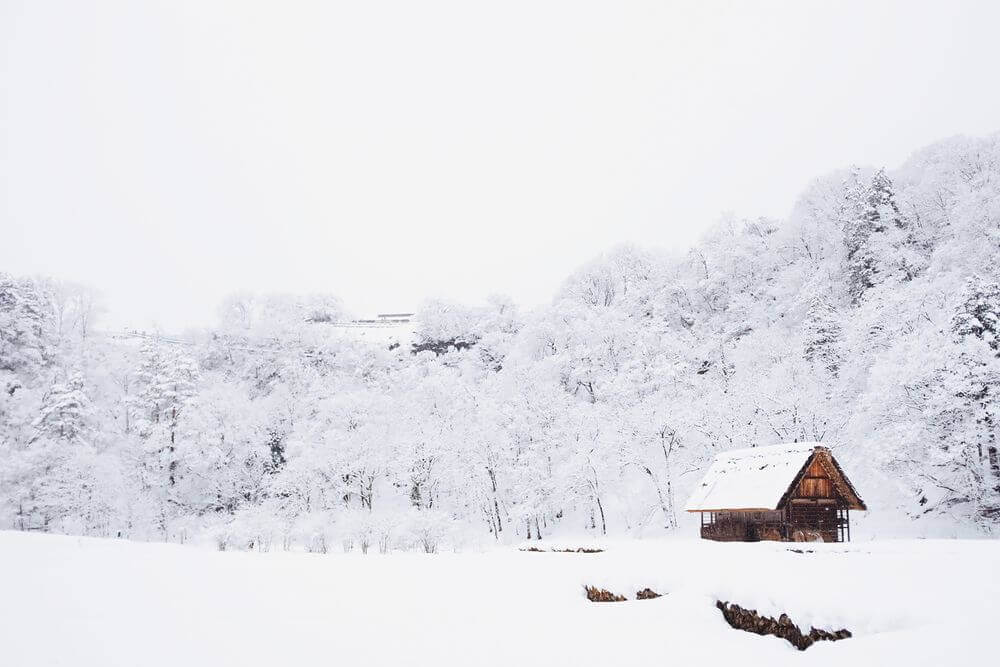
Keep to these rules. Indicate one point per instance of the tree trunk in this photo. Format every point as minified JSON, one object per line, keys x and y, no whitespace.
{"x":659,"y":494}
{"x":600,"y":507}
{"x":671,"y":515}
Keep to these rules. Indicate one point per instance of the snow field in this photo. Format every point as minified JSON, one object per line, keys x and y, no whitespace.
{"x":90,"y":602}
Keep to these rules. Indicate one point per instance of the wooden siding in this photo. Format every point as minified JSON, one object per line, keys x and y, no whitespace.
{"x":829,"y":519}
{"x":816,"y":517}
{"x":744,"y":526}
{"x":816,"y":487}
{"x":817,"y":482}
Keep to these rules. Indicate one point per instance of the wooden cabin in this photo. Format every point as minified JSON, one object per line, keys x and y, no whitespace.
{"x":792,"y":492}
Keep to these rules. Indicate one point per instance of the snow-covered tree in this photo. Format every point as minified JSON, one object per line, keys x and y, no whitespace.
{"x":978,"y":313}
{"x":822,"y":336}
{"x":66,"y":412}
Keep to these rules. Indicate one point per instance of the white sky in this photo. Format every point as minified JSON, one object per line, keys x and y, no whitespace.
{"x":171,"y":152}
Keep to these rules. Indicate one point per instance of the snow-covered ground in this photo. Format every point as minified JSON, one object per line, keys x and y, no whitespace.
{"x":90,"y":602}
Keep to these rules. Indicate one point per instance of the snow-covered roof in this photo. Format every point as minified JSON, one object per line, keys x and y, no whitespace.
{"x":754,"y":478}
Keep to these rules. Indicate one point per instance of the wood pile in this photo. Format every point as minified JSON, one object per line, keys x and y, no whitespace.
{"x":750,"y":621}
{"x":595,"y":594}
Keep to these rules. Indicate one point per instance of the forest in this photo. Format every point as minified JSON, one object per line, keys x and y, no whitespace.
{"x":868,"y":320}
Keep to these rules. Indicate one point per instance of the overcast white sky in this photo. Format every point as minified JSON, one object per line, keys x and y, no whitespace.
{"x":171,"y":152}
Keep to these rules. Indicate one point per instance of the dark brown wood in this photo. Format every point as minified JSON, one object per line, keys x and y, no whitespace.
{"x":745,"y":526}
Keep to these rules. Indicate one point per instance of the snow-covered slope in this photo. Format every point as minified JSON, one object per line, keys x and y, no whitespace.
{"x":88,"y":602}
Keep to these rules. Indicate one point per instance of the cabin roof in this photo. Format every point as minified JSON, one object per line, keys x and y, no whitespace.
{"x":760,"y":478}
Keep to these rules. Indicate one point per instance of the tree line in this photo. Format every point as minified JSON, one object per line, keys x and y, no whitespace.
{"x":868,"y":320}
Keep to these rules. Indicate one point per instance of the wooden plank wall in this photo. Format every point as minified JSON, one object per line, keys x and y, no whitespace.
{"x":822,"y":518}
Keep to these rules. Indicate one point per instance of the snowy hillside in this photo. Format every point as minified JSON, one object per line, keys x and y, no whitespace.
{"x":85,"y":602}
{"x":868,"y":321}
